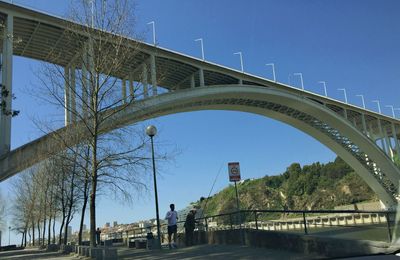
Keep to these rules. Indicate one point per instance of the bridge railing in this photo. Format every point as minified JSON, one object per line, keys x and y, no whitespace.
{"x":350,"y":224}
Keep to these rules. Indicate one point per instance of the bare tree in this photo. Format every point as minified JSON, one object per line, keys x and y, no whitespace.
{"x":88,"y":88}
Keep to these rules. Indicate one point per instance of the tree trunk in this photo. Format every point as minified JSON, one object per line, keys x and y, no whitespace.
{"x":49,"y":231}
{"x":22,"y":239}
{"x":93,"y":192}
{"x":39,"y":233}
{"x":44,"y":231}
{"x":85,"y":196}
{"x":33,"y":232}
{"x":61,"y":229}
{"x":54,"y":229}
{"x":85,"y":200}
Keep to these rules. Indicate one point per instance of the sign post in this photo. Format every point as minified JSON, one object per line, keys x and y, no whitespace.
{"x":234,"y":176}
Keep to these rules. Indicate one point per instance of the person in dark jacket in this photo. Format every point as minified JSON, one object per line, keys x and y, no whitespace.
{"x":190,"y":224}
{"x":98,"y":231}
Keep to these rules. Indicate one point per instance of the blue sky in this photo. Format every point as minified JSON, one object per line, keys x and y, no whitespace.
{"x":351,"y":44}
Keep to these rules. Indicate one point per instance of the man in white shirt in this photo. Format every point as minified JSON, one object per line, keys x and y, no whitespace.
{"x":172,"y":217}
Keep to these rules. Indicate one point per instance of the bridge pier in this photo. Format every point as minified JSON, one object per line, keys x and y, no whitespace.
{"x":67,"y":97}
{"x":123,"y":90}
{"x":396,"y":141}
{"x":85,"y":81}
{"x":6,"y":85}
{"x":153,"y":74}
{"x":144,"y":81}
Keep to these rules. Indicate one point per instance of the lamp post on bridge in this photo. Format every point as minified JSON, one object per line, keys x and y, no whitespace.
{"x":154,"y":31}
{"x":345,"y":94}
{"x":301,"y":78}
{"x":241,"y":59}
{"x":362,"y":99}
{"x":391,"y":106}
{"x":151,"y":131}
{"x":202,"y":47}
{"x":9,"y":235}
{"x":379,"y":105}
{"x":324,"y":84}
{"x":273,"y":69}
{"x":397,"y":108}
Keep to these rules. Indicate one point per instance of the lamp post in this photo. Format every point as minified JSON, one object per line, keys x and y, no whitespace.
{"x":362,"y":99}
{"x":324,"y":83}
{"x":9,"y":235}
{"x":345,"y":94}
{"x":241,"y":59}
{"x":154,"y":31}
{"x":273,"y":69}
{"x":301,"y":79}
{"x":397,"y":108}
{"x":152,"y":131}
{"x":202,"y":47}
{"x":379,"y":105}
{"x":391,"y":106}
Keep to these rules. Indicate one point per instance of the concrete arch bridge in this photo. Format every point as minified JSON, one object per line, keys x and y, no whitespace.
{"x":174,"y":83}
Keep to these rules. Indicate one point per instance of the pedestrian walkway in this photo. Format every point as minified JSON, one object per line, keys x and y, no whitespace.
{"x":187,"y":253}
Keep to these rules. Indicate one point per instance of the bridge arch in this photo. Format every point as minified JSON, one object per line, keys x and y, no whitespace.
{"x":308,"y":116}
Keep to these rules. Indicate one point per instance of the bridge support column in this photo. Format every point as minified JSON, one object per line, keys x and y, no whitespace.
{"x":84,"y":82}
{"x":364,"y":125}
{"x":67,"y":97}
{"x":192,"y":82}
{"x":6,"y":85}
{"x":123,"y":86}
{"x":144,"y":81}
{"x":131,"y":87}
{"x":396,"y":141}
{"x":381,"y":135}
{"x":73,"y":94}
{"x":153,"y":73}
{"x":201,"y":77}
{"x":388,"y":144}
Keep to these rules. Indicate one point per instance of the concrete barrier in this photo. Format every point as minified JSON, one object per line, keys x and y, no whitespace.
{"x":99,"y":253}
{"x":306,"y":244}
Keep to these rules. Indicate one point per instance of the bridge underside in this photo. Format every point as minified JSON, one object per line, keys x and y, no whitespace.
{"x":359,"y":151}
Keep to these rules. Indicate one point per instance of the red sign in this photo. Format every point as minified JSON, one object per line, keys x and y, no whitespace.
{"x":234,"y":171}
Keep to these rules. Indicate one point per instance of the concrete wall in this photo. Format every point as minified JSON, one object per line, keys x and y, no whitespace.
{"x":309,"y":245}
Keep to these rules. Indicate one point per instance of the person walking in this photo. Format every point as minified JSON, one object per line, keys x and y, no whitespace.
{"x":172,"y":217}
{"x":98,"y":236}
{"x":190,"y":224}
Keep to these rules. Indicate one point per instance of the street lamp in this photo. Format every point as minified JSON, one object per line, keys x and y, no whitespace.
{"x":390,"y":106}
{"x":301,"y":79}
{"x":241,"y":59}
{"x":92,"y":11}
{"x":154,"y":31}
{"x":379,"y":105}
{"x":9,"y":235}
{"x":273,"y":69}
{"x":152,"y":131}
{"x":362,"y":99}
{"x":202,"y":47}
{"x":324,"y":83}
{"x":344,"y":92}
{"x":397,"y":108}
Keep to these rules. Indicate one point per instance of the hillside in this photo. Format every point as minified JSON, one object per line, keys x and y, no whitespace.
{"x":315,"y":186}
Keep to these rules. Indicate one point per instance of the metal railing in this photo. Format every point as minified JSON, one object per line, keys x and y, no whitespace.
{"x":354,"y":224}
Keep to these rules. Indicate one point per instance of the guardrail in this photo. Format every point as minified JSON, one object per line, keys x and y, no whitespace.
{"x":377,"y":223}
